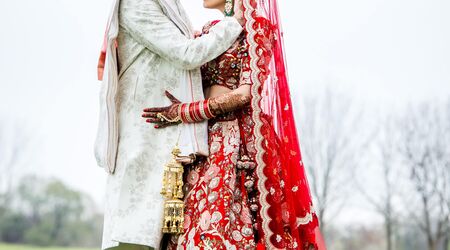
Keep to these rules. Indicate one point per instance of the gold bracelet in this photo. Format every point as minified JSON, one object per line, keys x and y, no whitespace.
{"x":174,"y":120}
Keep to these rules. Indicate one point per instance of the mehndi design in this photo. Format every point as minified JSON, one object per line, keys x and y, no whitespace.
{"x":192,"y":112}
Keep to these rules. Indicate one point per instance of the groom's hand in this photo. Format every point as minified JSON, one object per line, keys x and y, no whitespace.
{"x":163,"y":116}
{"x":186,"y":160}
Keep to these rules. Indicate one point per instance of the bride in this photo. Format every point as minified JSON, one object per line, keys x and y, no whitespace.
{"x":251,"y":192}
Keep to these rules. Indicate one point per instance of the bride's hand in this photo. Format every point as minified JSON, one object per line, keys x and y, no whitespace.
{"x":163,"y":116}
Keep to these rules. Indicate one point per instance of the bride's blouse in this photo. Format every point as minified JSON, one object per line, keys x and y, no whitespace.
{"x":231,"y":69}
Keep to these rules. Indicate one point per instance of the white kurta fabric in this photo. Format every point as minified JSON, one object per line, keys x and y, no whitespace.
{"x":154,"y":54}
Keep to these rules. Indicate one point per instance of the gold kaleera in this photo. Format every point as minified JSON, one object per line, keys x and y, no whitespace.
{"x":172,"y":190}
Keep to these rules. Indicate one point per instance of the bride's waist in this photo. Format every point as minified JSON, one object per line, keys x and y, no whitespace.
{"x":216,"y":90}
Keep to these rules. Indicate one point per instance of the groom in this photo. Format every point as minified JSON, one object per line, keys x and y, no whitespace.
{"x":149,"y":47}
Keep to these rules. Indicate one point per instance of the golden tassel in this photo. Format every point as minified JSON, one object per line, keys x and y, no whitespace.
{"x":172,"y":190}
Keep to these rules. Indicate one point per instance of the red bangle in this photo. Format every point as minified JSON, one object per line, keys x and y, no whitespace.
{"x":207,"y":110}
{"x":189,"y":117}
{"x":194,"y":111}
{"x":191,"y":112}
{"x":197,"y":111}
{"x":184,"y":113}
{"x":201,"y":110}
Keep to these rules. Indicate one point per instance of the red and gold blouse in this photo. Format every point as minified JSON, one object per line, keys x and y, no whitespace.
{"x":231,"y":69}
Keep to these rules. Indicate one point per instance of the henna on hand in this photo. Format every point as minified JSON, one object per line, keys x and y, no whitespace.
{"x":196,"y":111}
{"x":228,"y":102}
{"x":170,"y":113}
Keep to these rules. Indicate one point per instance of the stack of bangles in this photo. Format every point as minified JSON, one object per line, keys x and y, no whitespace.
{"x":195,"y":111}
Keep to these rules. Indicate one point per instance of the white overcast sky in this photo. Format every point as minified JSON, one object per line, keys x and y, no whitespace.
{"x":395,"y":51}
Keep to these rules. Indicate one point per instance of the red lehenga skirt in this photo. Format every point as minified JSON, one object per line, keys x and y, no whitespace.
{"x":219,"y":189}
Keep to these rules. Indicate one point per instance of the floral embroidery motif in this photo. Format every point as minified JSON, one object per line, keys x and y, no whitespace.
{"x":217,"y":202}
{"x":223,"y":204}
{"x":217,"y":214}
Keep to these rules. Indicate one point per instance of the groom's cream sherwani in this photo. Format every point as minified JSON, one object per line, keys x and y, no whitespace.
{"x":156,"y":52}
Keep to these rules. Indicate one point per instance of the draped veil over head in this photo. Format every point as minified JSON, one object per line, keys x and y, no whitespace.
{"x":286,"y":217}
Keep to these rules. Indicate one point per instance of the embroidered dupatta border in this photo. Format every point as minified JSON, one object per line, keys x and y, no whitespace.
{"x":249,"y":13}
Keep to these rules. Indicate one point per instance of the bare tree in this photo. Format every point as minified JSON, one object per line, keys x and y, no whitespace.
{"x":386,"y":151}
{"x":332,"y":137}
{"x":426,"y":153}
{"x":15,"y":152}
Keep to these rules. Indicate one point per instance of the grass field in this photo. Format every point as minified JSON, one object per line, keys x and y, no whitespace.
{"x":4,"y":246}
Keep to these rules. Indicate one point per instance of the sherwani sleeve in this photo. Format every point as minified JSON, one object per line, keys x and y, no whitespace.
{"x":146,"y":22}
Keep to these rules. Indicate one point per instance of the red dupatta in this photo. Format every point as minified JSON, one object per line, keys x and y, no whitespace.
{"x":286,"y":216}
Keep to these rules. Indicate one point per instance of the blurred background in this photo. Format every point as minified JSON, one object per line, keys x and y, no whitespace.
{"x":370,"y":81}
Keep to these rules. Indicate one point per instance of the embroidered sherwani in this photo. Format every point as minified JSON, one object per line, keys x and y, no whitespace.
{"x":155,"y":53}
